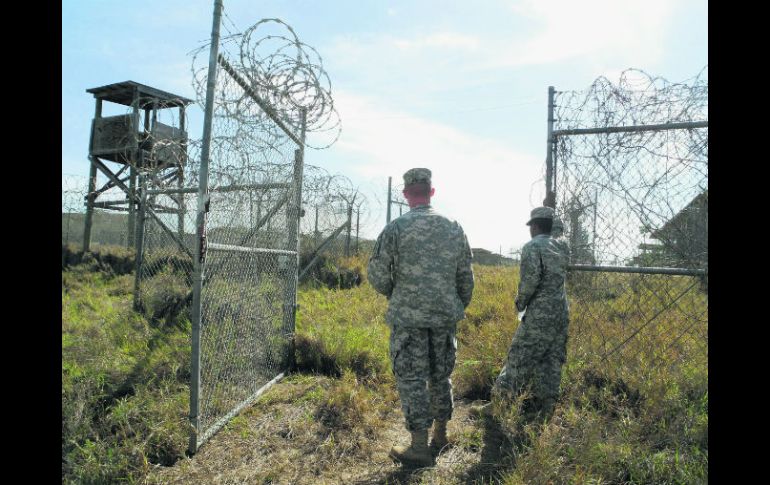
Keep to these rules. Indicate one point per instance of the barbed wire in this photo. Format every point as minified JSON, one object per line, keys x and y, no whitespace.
{"x":398,"y":203}
{"x":73,"y":192}
{"x":637,"y":98}
{"x":329,"y":200}
{"x":636,"y":198}
{"x":283,"y":71}
{"x":624,"y":187}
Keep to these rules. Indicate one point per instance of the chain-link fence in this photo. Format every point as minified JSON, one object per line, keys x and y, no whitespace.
{"x":396,"y":203}
{"x":217,"y":222}
{"x":628,"y":167}
{"x":270,"y":91}
{"x":108,"y":227}
{"x":73,"y":189}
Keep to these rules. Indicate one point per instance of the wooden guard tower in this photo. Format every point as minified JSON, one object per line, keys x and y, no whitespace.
{"x":155,"y":151}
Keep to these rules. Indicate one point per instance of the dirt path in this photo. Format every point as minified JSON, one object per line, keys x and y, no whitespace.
{"x":279,"y":440}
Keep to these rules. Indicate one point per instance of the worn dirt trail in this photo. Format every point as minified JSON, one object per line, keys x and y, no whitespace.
{"x":282,"y":442}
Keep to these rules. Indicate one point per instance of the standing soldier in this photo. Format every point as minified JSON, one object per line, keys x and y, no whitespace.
{"x":422,"y":264}
{"x":539,"y":346}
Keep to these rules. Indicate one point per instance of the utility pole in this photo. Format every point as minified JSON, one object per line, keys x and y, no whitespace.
{"x":358,"y":219}
{"x":390,"y":181}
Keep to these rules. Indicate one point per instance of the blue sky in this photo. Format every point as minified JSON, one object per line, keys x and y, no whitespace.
{"x":458,"y":87}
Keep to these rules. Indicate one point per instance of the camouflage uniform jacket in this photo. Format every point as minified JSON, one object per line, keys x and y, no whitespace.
{"x":543,"y":271}
{"x":422,"y":263}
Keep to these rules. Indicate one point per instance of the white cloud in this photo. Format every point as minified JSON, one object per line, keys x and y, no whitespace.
{"x":483,"y":183}
{"x":440,"y":40}
{"x":630,"y":29}
{"x":601,"y":32}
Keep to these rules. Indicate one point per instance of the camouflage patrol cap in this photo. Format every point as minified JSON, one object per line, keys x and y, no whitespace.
{"x":540,"y":213}
{"x":417,"y":175}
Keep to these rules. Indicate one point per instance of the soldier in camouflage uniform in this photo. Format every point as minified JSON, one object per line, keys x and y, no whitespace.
{"x":422,"y":263}
{"x":539,"y":346}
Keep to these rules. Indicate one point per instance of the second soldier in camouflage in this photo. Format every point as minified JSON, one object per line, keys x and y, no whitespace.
{"x":538,"y":349}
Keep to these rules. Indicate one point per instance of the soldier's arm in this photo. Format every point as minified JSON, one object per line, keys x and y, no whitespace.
{"x":530,"y":274}
{"x":380,"y":267}
{"x":464,"y":276}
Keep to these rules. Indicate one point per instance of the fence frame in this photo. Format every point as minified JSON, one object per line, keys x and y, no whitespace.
{"x":551,"y":189}
{"x":198,"y":435}
{"x":392,"y":201}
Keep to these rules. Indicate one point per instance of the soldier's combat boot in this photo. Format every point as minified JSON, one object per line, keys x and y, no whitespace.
{"x":439,"y":439}
{"x":416,"y":454}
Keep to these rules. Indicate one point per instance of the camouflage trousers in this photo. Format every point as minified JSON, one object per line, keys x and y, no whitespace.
{"x":535,"y":359}
{"x":423,"y":360}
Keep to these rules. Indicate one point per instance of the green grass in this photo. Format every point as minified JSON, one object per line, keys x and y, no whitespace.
{"x":124,"y":382}
{"x":638,"y":416}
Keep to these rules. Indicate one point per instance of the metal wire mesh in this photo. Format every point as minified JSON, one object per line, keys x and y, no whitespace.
{"x":73,"y":189}
{"x":632,"y":324}
{"x":166,"y":218}
{"x":325,"y":228}
{"x":109,"y":228}
{"x":165,"y":272}
{"x":398,"y":204}
{"x":270,"y":92}
{"x":634,"y":198}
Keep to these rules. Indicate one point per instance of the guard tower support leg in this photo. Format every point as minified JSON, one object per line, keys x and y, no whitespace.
{"x":131,"y":207}
{"x":89,"y":208}
{"x":134,"y":161}
{"x":91,"y":186}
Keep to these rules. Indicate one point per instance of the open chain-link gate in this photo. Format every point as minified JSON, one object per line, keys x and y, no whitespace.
{"x":627,"y":172}
{"x":229,"y":252}
{"x":245,"y":276}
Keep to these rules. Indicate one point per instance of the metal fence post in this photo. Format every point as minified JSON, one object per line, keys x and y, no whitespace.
{"x":347,"y":236}
{"x":139,"y":241}
{"x":294,"y":214}
{"x":550,"y":196}
{"x":180,"y":177}
{"x":390,"y":181}
{"x":198,"y":262}
{"x":316,"y":235}
{"x":67,"y":237}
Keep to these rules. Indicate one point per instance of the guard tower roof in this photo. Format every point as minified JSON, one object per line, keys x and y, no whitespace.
{"x":123,"y":93}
